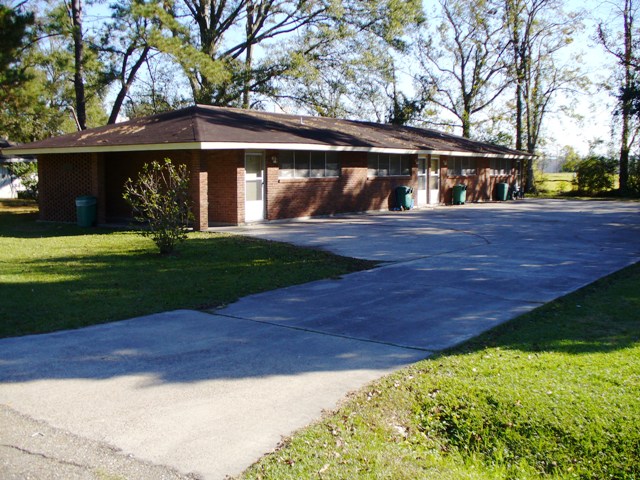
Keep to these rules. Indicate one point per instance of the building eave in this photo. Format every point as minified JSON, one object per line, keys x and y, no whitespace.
{"x":155,"y":147}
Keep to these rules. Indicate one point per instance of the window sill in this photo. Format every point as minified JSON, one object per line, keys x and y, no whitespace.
{"x":369,"y":177}
{"x":307,"y":179}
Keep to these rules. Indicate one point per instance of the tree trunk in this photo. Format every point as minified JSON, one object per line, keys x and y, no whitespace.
{"x":246,"y":87}
{"x":78,"y":51}
{"x":626,"y":101}
{"x":249,"y":56}
{"x":117,"y":105}
{"x":518,"y":119}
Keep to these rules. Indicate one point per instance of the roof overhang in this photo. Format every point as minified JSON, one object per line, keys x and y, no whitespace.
{"x":248,"y":146}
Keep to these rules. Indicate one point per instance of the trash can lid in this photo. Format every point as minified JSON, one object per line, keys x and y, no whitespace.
{"x":84,"y":200}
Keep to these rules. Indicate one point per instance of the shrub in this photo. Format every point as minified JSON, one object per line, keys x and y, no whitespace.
{"x":27,"y":172}
{"x":160,"y":202}
{"x":595,"y":174}
{"x":633,"y":184}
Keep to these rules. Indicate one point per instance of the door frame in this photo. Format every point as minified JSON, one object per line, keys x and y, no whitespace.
{"x":254,"y":210}
{"x":423,"y":173}
{"x":434,"y":198}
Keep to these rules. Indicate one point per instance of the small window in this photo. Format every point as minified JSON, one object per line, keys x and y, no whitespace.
{"x":285,"y":158}
{"x":500,"y":166}
{"x":317,"y":164}
{"x":406,"y":162}
{"x":395,"y":167}
{"x":461,"y":167}
{"x":385,"y":165}
{"x":303,"y":164}
{"x":301,"y":161}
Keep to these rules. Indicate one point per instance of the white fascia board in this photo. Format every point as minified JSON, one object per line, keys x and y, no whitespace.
{"x":472,"y":154}
{"x":153,"y":147}
{"x":300,"y":146}
{"x":245,"y":146}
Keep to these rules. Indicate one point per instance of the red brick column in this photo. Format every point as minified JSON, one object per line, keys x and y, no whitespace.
{"x":271,"y":171}
{"x":199,"y":189}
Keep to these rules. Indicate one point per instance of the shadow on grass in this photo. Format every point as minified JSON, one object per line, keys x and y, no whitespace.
{"x":24,"y":223}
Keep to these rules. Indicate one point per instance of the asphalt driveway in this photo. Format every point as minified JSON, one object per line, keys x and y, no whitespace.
{"x":209,"y":392}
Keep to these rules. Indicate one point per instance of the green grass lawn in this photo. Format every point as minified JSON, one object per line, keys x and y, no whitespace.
{"x":555,"y":184}
{"x":58,"y":276}
{"x":552,"y":394}
{"x":563,"y":185}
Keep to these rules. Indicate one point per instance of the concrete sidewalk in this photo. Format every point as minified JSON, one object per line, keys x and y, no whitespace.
{"x":209,"y":393}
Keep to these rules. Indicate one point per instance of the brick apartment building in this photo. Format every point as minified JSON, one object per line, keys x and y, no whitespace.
{"x":247,"y":166}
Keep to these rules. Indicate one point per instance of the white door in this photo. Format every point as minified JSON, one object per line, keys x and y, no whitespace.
{"x":254,"y":186}
{"x":422,"y":181}
{"x":434,"y":180}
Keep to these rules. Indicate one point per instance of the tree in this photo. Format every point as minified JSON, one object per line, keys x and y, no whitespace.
{"x":338,"y":76}
{"x":595,"y":174}
{"x":570,"y":159}
{"x":215,"y":41}
{"x":464,"y":62}
{"x":15,"y":25}
{"x":219,"y":75}
{"x":623,"y":46}
{"x":39,"y":104}
{"x":538,"y":30}
{"x":160,"y":202}
{"x":157,"y":91}
{"x":347,"y":67}
{"x":27,"y":173}
{"x":78,"y":55}
{"x":125,"y":47}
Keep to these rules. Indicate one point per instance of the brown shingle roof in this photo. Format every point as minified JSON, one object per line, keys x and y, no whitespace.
{"x":209,"y":127}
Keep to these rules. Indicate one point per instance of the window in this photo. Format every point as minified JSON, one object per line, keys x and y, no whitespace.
{"x":302,"y":164}
{"x":500,"y":166}
{"x":461,"y":167}
{"x":388,"y":165}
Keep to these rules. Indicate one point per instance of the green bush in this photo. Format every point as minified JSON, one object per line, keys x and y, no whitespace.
{"x":27,"y":172}
{"x":595,"y":174}
{"x":570,"y":166}
{"x":633,"y":184}
{"x":160,"y":202}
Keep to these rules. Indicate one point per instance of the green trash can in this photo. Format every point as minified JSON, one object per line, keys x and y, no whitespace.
{"x":404,"y":198}
{"x":459,"y":194}
{"x":502,"y":190}
{"x":86,"y":207}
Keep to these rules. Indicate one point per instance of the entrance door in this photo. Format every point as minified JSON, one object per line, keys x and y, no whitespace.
{"x":434,"y":180}
{"x":254,"y":186}
{"x":422,"y":181}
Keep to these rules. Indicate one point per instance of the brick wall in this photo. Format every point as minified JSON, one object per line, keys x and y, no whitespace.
{"x":480,"y":187}
{"x":63,"y":177}
{"x":226,"y":186}
{"x":217,"y":178}
{"x":351,"y":192}
{"x":199,"y":189}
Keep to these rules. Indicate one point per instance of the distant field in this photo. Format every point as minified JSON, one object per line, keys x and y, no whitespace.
{"x":555,"y":183}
